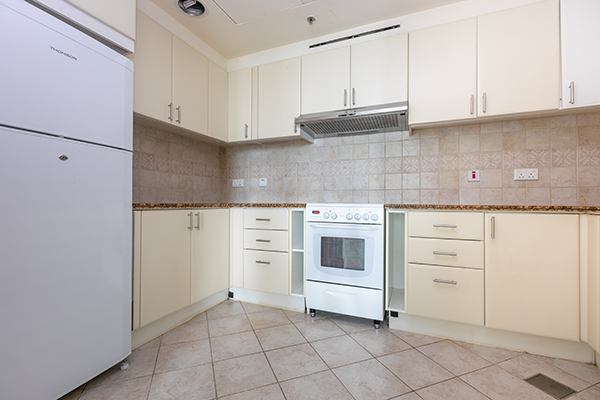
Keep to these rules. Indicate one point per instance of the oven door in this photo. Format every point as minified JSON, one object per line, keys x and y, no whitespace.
{"x":347,"y":254}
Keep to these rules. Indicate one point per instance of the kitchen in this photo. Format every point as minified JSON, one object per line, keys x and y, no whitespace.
{"x":402,"y":169}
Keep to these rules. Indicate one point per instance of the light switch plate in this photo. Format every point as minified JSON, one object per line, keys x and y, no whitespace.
{"x":473,"y":176}
{"x":237,"y":183}
{"x":262,"y":182}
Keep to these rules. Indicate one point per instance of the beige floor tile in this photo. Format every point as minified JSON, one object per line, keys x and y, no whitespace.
{"x":353,"y":324}
{"x":415,"y":339}
{"x":415,"y":369}
{"x":453,"y":357}
{"x":341,"y":350}
{"x":292,"y":362}
{"x":151,"y":344}
{"x":323,"y":385}
{"x":451,"y":390}
{"x":408,"y":396}
{"x":498,"y":384}
{"x":370,"y":380}
{"x":271,"y":392}
{"x":588,"y":372}
{"x":253,"y":308}
{"x":267,"y":319}
{"x":236,"y":345}
{"x":380,"y":342}
{"x":491,"y":354}
{"x":194,"y":329}
{"x":319,"y":329}
{"x":279,"y":336}
{"x":228,"y":308}
{"x":195,"y":383}
{"x":242,"y":373}
{"x":183,"y":355}
{"x":141,"y":363}
{"x":73,"y":394}
{"x":526,"y":366}
{"x":229,"y":325}
{"x":592,"y":393}
{"x":297,"y":316}
{"x":133,"y":389}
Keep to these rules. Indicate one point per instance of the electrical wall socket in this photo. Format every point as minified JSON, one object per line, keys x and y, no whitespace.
{"x":526,"y":174}
{"x":262,"y":182}
{"x":237,"y":183}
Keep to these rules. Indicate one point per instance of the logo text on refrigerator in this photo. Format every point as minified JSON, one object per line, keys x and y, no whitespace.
{"x":63,"y":53}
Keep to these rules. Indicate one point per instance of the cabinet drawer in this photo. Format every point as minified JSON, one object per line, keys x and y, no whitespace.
{"x":448,"y":225}
{"x":266,"y":271}
{"x":460,"y":299}
{"x":266,"y":240}
{"x":457,"y":253}
{"x":266,"y":218}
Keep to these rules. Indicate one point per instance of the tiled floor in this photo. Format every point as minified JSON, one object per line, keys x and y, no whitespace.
{"x":240,"y":351}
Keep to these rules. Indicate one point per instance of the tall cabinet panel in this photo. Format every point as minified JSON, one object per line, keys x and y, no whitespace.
{"x":217,"y":107}
{"x":240,"y":105}
{"x":519,"y":59}
{"x":580,"y":51}
{"x":593,"y":255}
{"x":325,"y":80}
{"x":532,"y":274}
{"x":435,"y":54}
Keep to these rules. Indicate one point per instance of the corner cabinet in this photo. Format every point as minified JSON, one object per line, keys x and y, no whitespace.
{"x":240,"y":106}
{"x":532,"y":273}
{"x":217,"y":107}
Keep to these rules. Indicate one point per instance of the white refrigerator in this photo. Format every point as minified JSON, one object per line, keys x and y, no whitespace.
{"x":65,"y":205}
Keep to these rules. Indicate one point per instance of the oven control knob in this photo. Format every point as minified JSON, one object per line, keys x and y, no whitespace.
{"x":374,"y":217}
{"x":326,"y":215}
{"x":333,"y":216}
{"x":357,"y":216}
{"x":349,"y":216}
{"x":366,"y":216}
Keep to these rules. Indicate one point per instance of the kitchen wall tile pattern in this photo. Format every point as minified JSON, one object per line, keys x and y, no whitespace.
{"x":428,"y":166}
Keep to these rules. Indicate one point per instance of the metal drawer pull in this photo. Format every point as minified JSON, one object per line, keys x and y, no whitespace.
{"x":444,"y":253}
{"x":493,"y":228}
{"x":178,"y":115}
{"x":263,"y":262}
{"x":472,"y":104}
{"x":263,"y":240}
{"x":170,"y":117}
{"x":572,"y":93}
{"x":246,"y":132}
{"x":446,"y":282}
{"x":444,"y":226}
{"x":191,"y":227}
{"x":484,"y":102}
{"x":263,"y":219}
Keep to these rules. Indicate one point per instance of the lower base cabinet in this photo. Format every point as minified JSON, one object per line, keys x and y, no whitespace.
{"x":266,"y":271}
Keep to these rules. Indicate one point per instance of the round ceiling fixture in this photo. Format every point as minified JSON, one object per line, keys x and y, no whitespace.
{"x":192,"y":7}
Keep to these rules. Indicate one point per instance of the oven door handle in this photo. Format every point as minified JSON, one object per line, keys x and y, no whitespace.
{"x":340,"y":226}
{"x":341,"y":295}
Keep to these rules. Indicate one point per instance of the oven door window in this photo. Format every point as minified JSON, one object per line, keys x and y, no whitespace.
{"x":343,"y":253}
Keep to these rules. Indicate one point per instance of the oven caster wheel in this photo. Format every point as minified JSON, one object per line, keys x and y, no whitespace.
{"x":124,"y":365}
{"x":377,"y":324}
{"x":313,"y":312}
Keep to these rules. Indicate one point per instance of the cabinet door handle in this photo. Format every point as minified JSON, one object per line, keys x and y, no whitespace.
{"x":191,"y":227}
{"x":263,"y":262}
{"x":493,"y":228}
{"x":444,"y":226}
{"x":484,"y":102}
{"x":444,"y":253}
{"x":353,"y":96}
{"x":445,"y":282}
{"x":246,"y":132}
{"x":170,"y":111}
{"x":345,"y":97}
{"x":472,"y":104}
{"x":198,"y":220}
{"x":263,"y":240}
{"x":263,"y":219}
{"x":572,"y":93}
{"x":178,"y":114}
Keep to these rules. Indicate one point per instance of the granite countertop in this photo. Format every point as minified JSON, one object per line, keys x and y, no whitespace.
{"x":576,"y":209}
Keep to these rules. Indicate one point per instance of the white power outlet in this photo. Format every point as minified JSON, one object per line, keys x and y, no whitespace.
{"x":526,"y":174}
{"x":237,"y":183}
{"x":262,"y":182}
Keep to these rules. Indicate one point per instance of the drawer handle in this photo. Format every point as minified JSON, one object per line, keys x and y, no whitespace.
{"x":444,"y":226}
{"x":263,"y":262}
{"x":264,"y":219}
{"x":444,"y":253}
{"x":263,"y":240}
{"x":445,"y":282}
{"x":341,"y":295}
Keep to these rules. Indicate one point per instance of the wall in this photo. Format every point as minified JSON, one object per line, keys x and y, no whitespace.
{"x":428,"y":167}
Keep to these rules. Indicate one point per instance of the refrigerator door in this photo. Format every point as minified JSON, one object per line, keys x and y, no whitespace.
{"x":65,"y":255}
{"x":55,"y":79}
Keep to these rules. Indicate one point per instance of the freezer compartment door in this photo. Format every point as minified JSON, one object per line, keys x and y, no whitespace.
{"x":54,"y":79}
{"x":65,"y":256}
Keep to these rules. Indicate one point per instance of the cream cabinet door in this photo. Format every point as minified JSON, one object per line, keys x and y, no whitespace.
{"x":278,"y":99}
{"x":240,"y":105}
{"x":153,"y":69}
{"x":379,"y":71}
{"x":165,"y":263}
{"x":210,"y":253}
{"x":532,"y":274}
{"x":593,"y":254}
{"x":443,"y":72}
{"x":519,"y":59}
{"x":217,"y":104}
{"x":118,"y":14}
{"x":190,"y":87}
{"x":326,"y":80}
{"x":580,"y":52}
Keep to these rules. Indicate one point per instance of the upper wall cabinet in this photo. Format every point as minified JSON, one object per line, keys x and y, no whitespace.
{"x":435,"y":54}
{"x":580,"y":48}
{"x":364,"y":74}
{"x":519,"y":59}
{"x":118,"y":14}
{"x":240,"y":105}
{"x":217,"y":107}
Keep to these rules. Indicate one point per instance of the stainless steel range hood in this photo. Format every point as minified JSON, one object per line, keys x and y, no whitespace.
{"x":374,"y":119}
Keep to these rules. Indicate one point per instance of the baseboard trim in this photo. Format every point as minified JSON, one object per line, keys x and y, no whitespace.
{"x":295,"y":303}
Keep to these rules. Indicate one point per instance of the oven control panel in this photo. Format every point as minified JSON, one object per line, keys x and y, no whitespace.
{"x":345,"y":213}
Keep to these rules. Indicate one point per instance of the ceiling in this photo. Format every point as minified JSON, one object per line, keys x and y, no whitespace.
{"x":235,"y":28}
